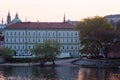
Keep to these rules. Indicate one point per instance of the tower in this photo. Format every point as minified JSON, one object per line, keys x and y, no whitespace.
{"x":16,"y":16}
{"x":64,"y":18}
{"x":16,"y":19}
{"x":8,"y":18}
{"x":2,"y":21}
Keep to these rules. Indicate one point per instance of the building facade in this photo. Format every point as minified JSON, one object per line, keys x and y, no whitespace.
{"x":1,"y":41}
{"x":15,"y":20}
{"x":23,"y":36}
{"x":113,"y":19}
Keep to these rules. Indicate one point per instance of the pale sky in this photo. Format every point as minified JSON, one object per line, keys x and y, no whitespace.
{"x":53,"y":10}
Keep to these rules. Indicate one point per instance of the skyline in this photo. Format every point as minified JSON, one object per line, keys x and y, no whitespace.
{"x":54,"y":10}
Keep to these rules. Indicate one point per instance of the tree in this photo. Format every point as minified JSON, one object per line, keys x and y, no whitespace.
{"x":48,"y":51}
{"x":96,"y":36}
{"x":7,"y":53}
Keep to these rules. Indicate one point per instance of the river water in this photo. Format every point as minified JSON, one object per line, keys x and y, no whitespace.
{"x":58,"y":73}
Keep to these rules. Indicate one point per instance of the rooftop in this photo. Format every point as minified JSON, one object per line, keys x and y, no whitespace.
{"x":113,"y":16}
{"x":40,"y":25}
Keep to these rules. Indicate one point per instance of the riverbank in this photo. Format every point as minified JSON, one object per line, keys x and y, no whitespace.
{"x":99,"y":63}
{"x":94,"y":63}
{"x":61,"y":62}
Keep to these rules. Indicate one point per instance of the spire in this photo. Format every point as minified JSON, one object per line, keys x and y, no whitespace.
{"x":8,"y":18}
{"x":16,"y":16}
{"x":16,"y":19}
{"x":2,"y":21}
{"x":64,"y":18}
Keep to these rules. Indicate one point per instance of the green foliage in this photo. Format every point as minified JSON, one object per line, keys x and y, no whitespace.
{"x":7,"y":52}
{"x":96,"y":35}
{"x":47,"y":51}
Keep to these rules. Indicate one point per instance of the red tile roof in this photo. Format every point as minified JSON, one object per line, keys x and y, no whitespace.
{"x":40,"y":25}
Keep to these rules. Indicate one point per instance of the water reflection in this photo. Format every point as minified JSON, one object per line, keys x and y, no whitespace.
{"x":58,"y":73}
{"x":98,"y":74}
{"x":40,"y":73}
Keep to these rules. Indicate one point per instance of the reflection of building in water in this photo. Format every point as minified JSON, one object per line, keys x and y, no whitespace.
{"x":113,"y":76}
{"x":91,"y":74}
{"x":1,"y":76}
{"x":65,"y":73}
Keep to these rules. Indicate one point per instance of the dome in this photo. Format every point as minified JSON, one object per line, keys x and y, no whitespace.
{"x":16,"y":19}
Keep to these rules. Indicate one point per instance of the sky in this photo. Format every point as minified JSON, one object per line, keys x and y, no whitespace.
{"x":54,"y":10}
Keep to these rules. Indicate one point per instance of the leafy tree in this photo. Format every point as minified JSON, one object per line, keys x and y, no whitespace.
{"x":47,"y":51}
{"x":7,"y":53}
{"x":96,"y":36}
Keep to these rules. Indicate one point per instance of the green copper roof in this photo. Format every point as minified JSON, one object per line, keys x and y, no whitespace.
{"x":16,"y":19}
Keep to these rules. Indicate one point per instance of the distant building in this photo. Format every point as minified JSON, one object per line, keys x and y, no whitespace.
{"x":8,"y":18}
{"x":15,"y":20}
{"x":1,"y":41}
{"x":73,"y":22}
{"x":2,"y":26}
{"x":22,"y":37}
{"x":113,"y":19}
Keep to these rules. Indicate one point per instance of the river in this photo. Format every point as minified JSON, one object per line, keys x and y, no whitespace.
{"x":58,"y":73}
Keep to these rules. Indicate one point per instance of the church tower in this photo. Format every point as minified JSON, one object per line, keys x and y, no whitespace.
{"x":8,"y":18}
{"x":16,"y":16}
{"x":64,"y":18}
{"x":16,"y":19}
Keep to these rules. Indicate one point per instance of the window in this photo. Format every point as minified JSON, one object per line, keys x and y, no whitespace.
{"x":53,"y":34}
{"x":67,"y":40}
{"x":29,"y":47}
{"x":59,"y":34}
{"x":33,"y":47}
{"x":67,"y":34}
{"x":15,"y":33}
{"x":11,"y":40}
{"x":11,"y":33}
{"x":14,"y":40}
{"x":29,"y":33}
{"x":67,"y":47}
{"x":33,"y":40}
{"x":49,"y":34}
{"x":63,"y":47}
{"x":75,"y":40}
{"x":29,"y":40}
{"x":71,"y":34}
{"x":6,"y":33}
{"x":39,"y":40}
{"x":23,"y":47}
{"x":18,"y":47}
{"x":71,"y":40}
{"x":19,"y":33}
{"x":76,"y":33}
{"x":7,"y":40}
{"x":71,"y":47}
{"x":23,"y":33}
{"x":76,"y":47}
{"x":14,"y":46}
{"x":19,"y":40}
